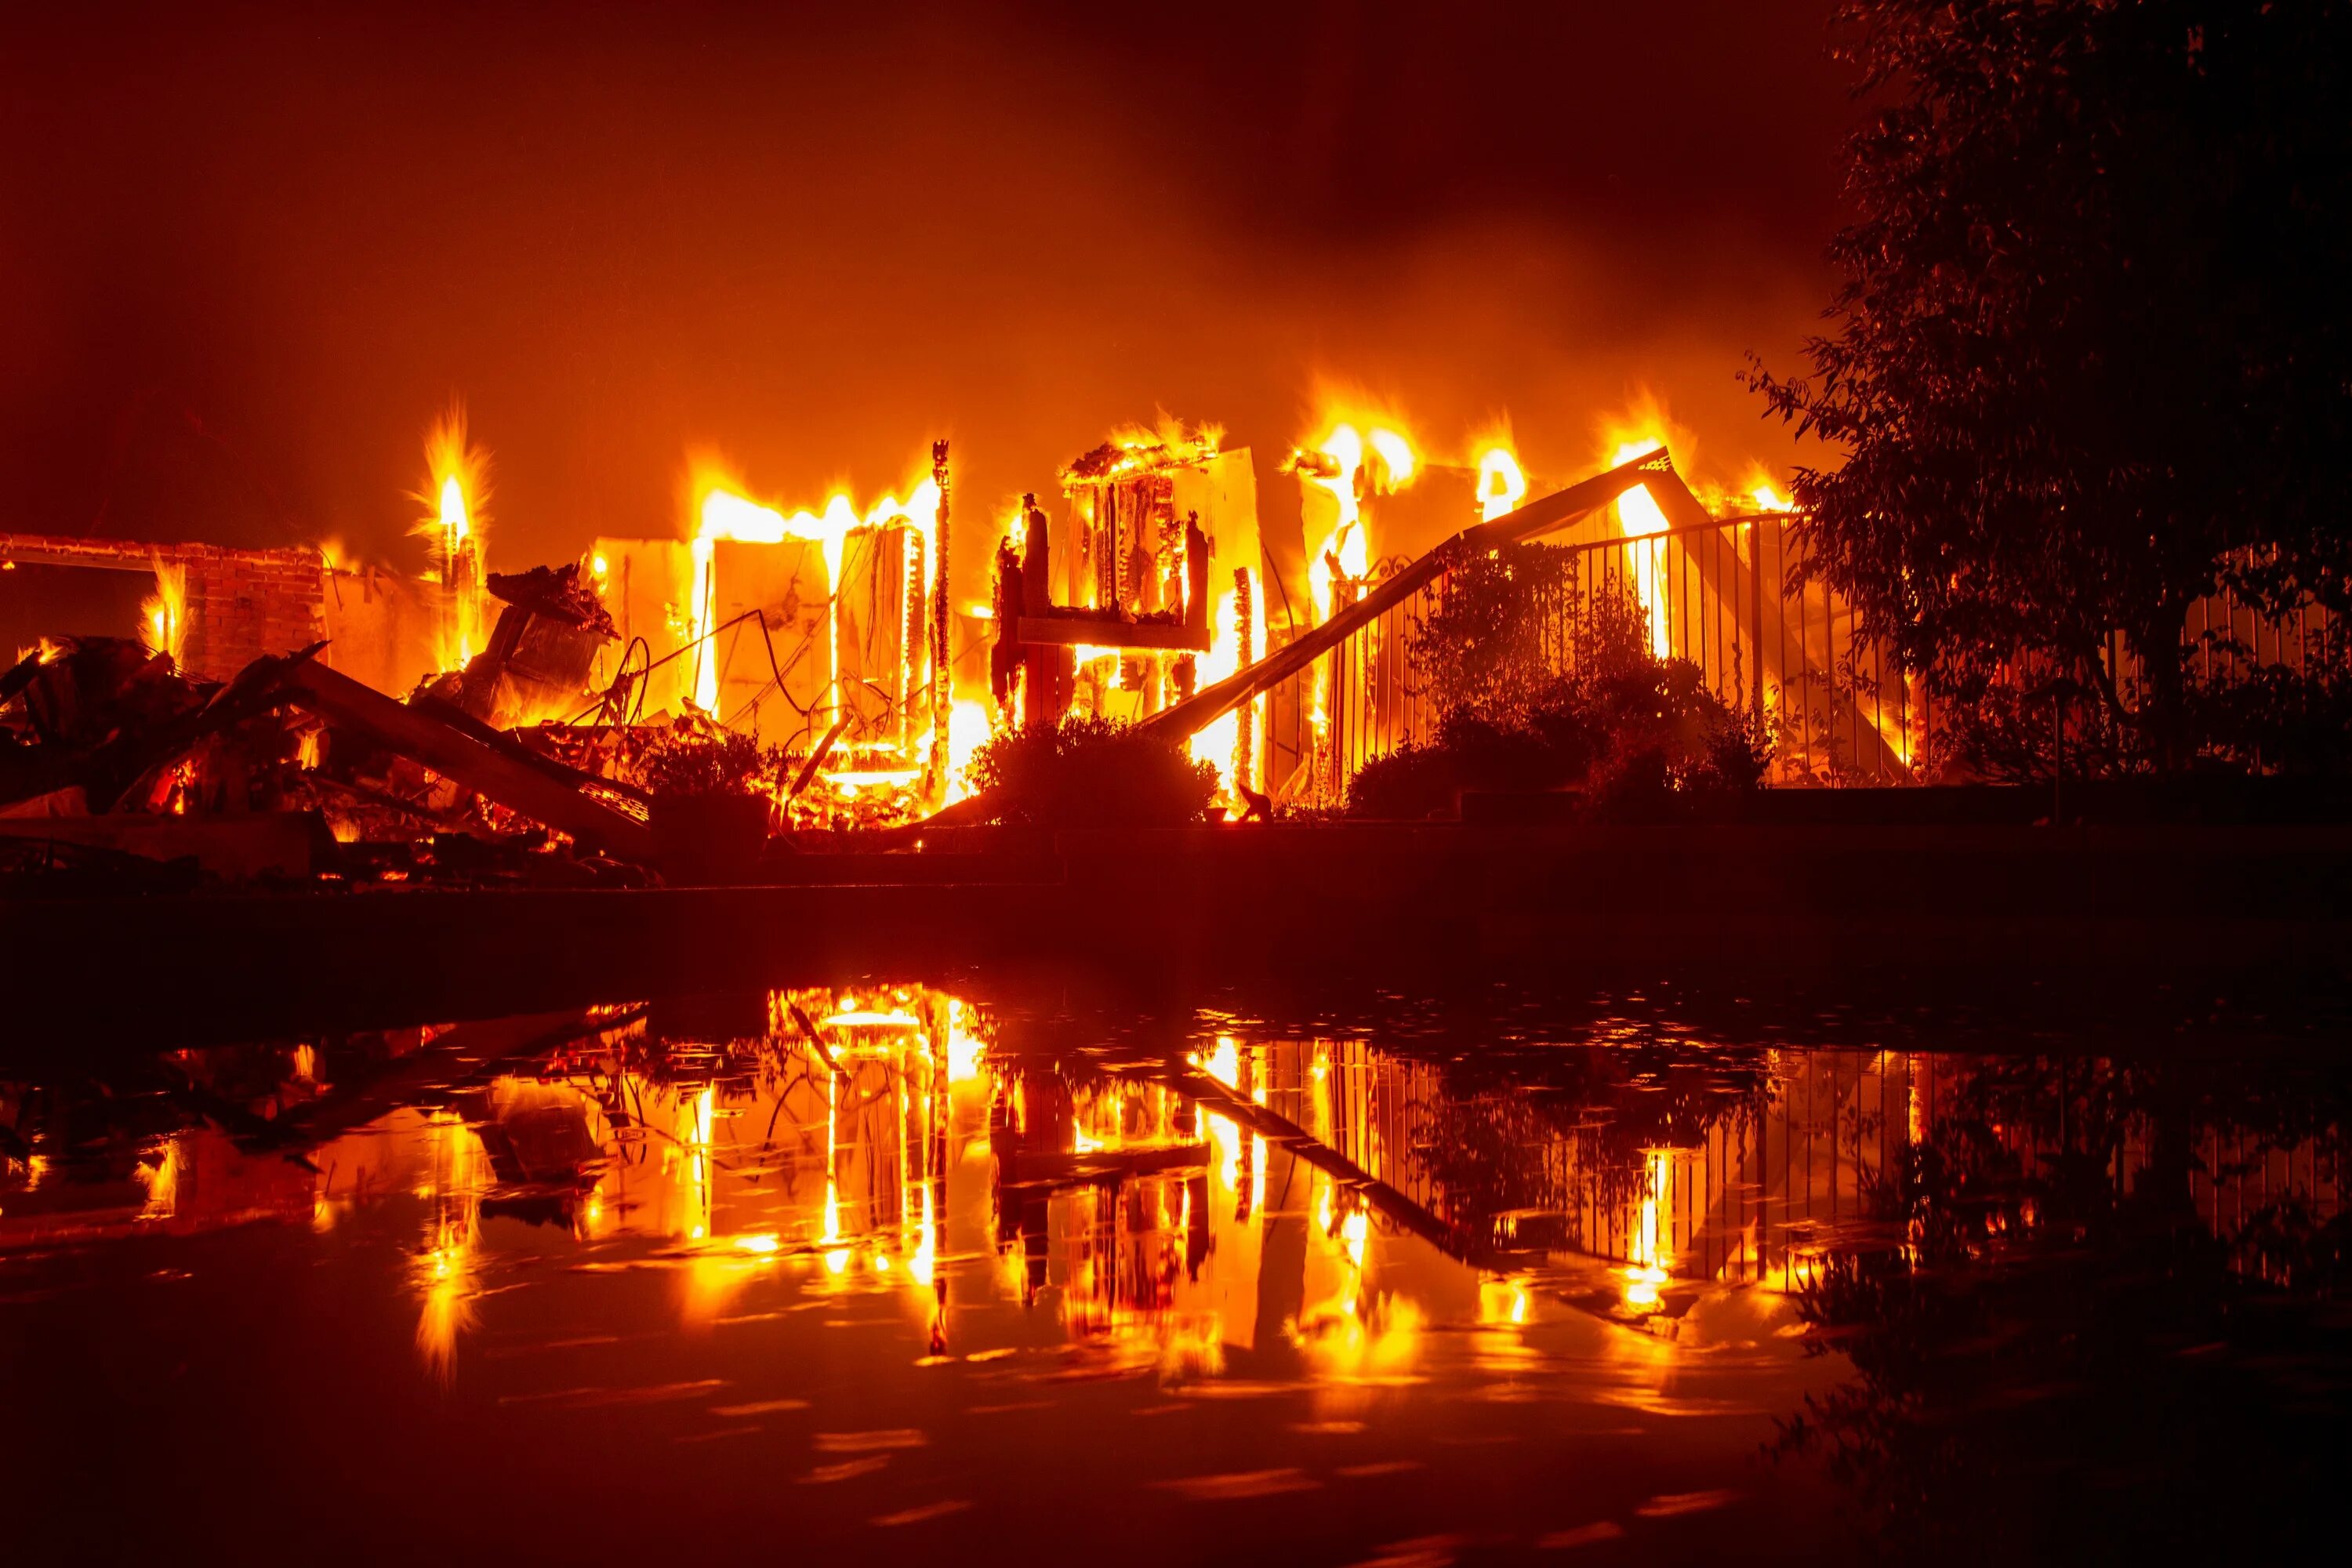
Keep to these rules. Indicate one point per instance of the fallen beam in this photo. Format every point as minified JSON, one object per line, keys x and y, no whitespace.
{"x":1304,"y":1146}
{"x":453,"y":754}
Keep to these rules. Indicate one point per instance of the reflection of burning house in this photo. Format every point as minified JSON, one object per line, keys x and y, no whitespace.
{"x":1256,"y":1198}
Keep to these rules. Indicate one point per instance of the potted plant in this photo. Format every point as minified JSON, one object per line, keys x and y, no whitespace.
{"x":709,"y":813}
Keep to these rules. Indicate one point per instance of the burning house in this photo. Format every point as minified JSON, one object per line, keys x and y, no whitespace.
{"x":826,"y":634}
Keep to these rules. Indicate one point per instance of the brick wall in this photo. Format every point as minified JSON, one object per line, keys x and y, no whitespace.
{"x":241,"y":603}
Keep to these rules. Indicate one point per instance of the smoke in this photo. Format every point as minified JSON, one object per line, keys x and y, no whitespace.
{"x":248,"y":261}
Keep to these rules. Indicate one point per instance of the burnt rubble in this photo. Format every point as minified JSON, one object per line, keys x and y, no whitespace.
{"x":120,"y":772}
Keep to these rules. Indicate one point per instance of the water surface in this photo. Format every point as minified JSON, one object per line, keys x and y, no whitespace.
{"x":884,"y":1268}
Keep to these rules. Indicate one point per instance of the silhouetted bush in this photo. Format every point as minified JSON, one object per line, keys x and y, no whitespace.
{"x":1088,"y":772}
{"x":2279,"y":718}
{"x":1634,"y":732}
{"x":2234,"y":717}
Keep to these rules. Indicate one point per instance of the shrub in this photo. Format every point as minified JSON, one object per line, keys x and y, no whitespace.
{"x":1634,"y":731}
{"x":2236,"y":716}
{"x":690,"y":764}
{"x":1088,"y":772}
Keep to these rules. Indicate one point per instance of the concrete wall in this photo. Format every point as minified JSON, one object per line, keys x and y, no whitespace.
{"x":382,"y":629}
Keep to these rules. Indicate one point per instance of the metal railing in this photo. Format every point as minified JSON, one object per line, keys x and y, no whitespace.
{"x":1834,"y":709}
{"x":1832,"y":704}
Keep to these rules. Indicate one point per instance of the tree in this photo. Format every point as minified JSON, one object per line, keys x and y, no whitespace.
{"x":2090,"y":359}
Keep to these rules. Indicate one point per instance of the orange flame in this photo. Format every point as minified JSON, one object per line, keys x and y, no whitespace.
{"x":162,"y":614}
{"x":1501,"y":484}
{"x":1645,"y":427}
{"x":1214,"y":743}
{"x":456,"y":490}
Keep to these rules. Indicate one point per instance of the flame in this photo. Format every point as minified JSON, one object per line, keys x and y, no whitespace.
{"x":721,"y":512}
{"x":163,"y":1183}
{"x":1344,"y":448}
{"x":969,"y":727}
{"x":456,"y":490}
{"x":1214,"y":743}
{"x":965,"y":1043}
{"x":1501,"y":484}
{"x":1638,"y":517}
{"x":163,"y":615}
{"x":1165,"y":442}
{"x":1337,"y":463}
{"x":1503,"y":1300}
{"x":1396,"y":452}
{"x":445,"y":1270}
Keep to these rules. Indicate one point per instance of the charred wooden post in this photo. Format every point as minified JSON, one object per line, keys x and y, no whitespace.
{"x":913,"y":636}
{"x":1049,"y":673}
{"x":942,"y":673}
{"x":1196,"y":577}
{"x":1005,"y":657}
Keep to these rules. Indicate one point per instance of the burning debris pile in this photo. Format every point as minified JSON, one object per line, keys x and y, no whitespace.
{"x":105,"y":747}
{"x":561,"y":746}
{"x":110,"y":755}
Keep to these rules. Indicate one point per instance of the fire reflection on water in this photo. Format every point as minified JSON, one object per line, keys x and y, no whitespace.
{"x":444,"y":1268}
{"x":1270,"y":1197}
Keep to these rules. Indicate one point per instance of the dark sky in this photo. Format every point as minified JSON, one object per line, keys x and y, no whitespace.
{"x":245,"y":253}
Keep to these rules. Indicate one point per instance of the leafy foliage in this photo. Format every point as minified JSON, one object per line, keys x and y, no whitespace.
{"x":2290,"y":720}
{"x":1484,"y":643}
{"x":1089,"y":772}
{"x":2092,"y":353}
{"x":690,"y":764}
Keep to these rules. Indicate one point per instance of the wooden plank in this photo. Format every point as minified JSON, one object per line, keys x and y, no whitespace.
{"x":33,"y":555}
{"x":449,"y":751}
